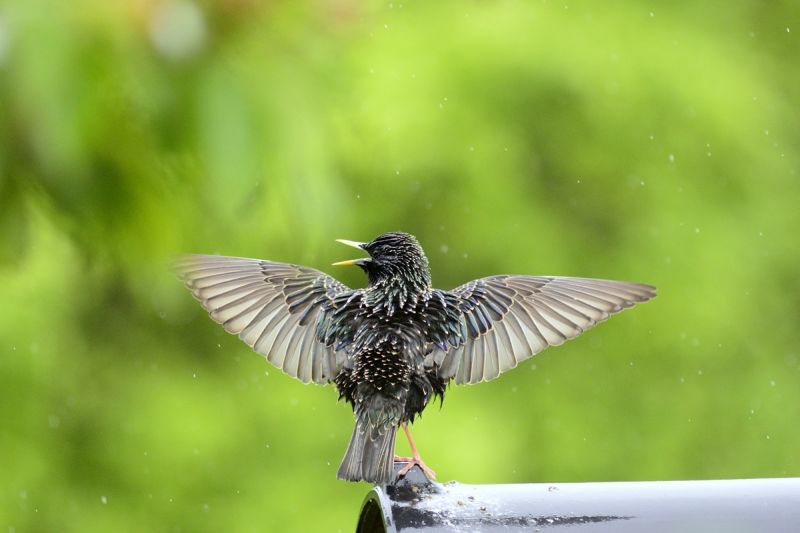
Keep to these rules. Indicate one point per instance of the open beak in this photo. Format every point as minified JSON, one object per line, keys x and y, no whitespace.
{"x":354,"y":244}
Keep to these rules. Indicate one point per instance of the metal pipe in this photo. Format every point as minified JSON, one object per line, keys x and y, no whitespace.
{"x":415,"y":503}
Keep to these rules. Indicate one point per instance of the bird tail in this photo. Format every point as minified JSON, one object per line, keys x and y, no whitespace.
{"x":370,"y":455}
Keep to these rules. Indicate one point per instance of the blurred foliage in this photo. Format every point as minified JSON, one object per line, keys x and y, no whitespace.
{"x":654,"y":142}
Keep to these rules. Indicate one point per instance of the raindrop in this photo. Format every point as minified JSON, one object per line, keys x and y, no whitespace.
{"x":103,"y":500}
{"x":444,"y":248}
{"x":671,"y":158}
{"x":772,"y":383}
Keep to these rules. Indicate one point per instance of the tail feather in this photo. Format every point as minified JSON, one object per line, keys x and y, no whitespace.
{"x":370,"y":455}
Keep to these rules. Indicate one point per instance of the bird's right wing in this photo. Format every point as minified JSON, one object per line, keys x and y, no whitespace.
{"x":507,"y":319}
{"x":273,"y":307}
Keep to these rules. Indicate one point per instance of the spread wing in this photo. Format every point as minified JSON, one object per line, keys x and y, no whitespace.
{"x":507,"y":319}
{"x":273,"y":307}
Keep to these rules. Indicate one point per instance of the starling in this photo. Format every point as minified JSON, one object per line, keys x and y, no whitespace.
{"x":392,"y":347}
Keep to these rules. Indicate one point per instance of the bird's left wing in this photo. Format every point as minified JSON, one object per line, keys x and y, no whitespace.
{"x":507,"y":319}
{"x":273,"y":307}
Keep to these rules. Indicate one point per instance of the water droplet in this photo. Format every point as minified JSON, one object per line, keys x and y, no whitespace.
{"x":772,"y":383}
{"x":103,"y":500}
{"x":444,"y":248}
{"x":671,"y":158}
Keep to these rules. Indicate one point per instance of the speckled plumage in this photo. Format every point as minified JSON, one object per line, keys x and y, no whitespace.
{"x":392,"y":347}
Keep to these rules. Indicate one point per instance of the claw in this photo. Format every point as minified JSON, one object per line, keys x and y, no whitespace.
{"x":417,"y":460}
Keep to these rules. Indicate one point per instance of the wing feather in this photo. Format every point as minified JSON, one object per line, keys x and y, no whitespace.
{"x":507,"y":319}
{"x":273,"y":307}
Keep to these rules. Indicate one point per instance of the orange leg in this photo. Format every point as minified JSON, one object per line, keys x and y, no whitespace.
{"x":415,"y":458}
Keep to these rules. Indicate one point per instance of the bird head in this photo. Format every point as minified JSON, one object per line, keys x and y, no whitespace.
{"x":393,"y":255}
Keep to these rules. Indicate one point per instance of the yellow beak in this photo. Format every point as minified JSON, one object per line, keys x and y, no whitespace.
{"x":354,"y":244}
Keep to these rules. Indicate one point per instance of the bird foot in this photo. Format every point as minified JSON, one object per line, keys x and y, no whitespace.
{"x":411,"y":461}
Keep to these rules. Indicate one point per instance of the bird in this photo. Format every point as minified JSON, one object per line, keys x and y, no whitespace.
{"x":392,"y":347}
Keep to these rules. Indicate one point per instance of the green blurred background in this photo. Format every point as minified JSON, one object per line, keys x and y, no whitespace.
{"x":645,"y":141}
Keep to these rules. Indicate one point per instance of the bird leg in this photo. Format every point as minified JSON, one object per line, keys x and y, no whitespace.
{"x":415,"y":458}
